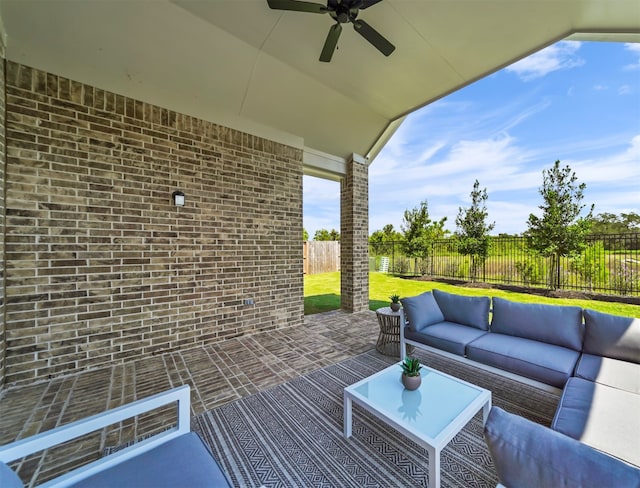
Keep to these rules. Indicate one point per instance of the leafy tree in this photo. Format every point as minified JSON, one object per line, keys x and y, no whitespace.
{"x":620,"y":229}
{"x":561,"y":231}
{"x":591,"y":266}
{"x":325,"y":235}
{"x":305,"y":235}
{"x":420,"y":232}
{"x":472,"y":230}
{"x":381,"y":240}
{"x":608,"y":223}
{"x":387,"y":234}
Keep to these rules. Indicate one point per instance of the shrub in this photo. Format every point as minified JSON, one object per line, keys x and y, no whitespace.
{"x":624,"y":280}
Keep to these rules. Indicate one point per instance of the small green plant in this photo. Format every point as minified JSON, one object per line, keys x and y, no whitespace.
{"x":395,"y":298}
{"x":411,"y":366}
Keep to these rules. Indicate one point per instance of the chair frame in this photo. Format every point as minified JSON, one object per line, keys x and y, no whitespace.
{"x":24,"y":447}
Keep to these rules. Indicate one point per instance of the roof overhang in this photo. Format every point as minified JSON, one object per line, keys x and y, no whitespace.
{"x":245,"y":66}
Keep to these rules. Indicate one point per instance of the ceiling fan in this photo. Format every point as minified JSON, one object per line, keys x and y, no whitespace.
{"x":342,"y":11}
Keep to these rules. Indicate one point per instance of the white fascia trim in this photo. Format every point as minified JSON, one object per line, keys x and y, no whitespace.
{"x":384,"y":137}
{"x":632,"y":36}
{"x":323,"y":165}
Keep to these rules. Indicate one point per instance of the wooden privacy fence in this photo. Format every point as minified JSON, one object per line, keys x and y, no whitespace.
{"x":321,"y":256}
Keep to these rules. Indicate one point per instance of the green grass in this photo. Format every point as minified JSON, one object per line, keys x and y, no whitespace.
{"x":322,"y":293}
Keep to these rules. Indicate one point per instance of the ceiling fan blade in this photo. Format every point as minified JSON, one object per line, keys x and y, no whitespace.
{"x":368,"y":3}
{"x":373,"y":36}
{"x":297,"y":6}
{"x":331,"y":43}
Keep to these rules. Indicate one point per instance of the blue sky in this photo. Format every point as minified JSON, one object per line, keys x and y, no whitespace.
{"x":578,"y":102}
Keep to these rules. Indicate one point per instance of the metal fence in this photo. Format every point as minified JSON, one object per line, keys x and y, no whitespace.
{"x":610,"y":264}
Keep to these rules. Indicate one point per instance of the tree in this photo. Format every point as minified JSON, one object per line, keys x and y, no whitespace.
{"x":608,"y":223}
{"x":325,"y":235}
{"x":420,"y":232}
{"x":591,"y":266}
{"x":305,"y":235}
{"x":472,"y":230}
{"x":381,"y":240}
{"x":621,"y":230}
{"x":561,"y":231}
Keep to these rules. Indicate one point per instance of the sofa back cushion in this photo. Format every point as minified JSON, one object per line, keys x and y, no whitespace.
{"x":421,"y":311}
{"x":612,"y":336}
{"x":553,"y":324}
{"x":471,"y":311}
{"x":528,"y":454}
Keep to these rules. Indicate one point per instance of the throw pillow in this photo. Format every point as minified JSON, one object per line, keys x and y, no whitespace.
{"x":421,"y":311}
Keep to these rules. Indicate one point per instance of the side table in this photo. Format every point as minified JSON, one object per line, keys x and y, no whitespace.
{"x":389,"y":338}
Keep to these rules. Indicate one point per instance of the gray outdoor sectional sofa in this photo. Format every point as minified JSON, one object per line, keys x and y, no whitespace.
{"x":593,"y":357}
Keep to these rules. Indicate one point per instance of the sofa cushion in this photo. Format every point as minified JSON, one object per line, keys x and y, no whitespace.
{"x":528,"y":454}
{"x":553,"y":324}
{"x":446,"y":336}
{"x":550,"y":364}
{"x":471,"y":311}
{"x":421,"y":311}
{"x":612,"y":336}
{"x":8,"y":478}
{"x":183,"y":461}
{"x":602,"y":417}
{"x":612,"y":372}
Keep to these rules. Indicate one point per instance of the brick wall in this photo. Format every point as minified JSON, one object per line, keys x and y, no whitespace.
{"x":101,"y":267}
{"x":2,"y":171}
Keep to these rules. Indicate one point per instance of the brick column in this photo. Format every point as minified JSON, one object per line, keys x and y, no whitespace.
{"x":354,"y":236}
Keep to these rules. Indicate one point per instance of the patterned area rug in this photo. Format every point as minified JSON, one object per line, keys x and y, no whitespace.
{"x":291,"y":435}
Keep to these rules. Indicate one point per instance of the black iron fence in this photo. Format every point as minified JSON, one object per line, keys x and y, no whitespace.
{"x":610,"y":264}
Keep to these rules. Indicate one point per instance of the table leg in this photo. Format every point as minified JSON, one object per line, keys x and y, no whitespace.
{"x":347,"y":416}
{"x":485,"y":411}
{"x":434,"y":467}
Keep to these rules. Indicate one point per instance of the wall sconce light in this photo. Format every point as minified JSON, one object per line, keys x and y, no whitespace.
{"x":178,"y":198}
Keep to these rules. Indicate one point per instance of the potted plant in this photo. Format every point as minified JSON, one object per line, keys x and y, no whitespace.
{"x":411,"y":373}
{"x":395,"y":302}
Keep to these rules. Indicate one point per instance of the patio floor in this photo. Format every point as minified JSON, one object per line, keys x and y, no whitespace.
{"x":217,"y":373}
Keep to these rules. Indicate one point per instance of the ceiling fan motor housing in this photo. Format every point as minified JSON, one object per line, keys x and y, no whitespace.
{"x":344,"y":13}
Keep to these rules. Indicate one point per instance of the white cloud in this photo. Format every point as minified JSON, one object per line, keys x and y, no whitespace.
{"x":633,"y":47}
{"x":600,"y":87}
{"x":512,"y":176}
{"x":318,"y":190}
{"x":635,"y":51}
{"x":625,"y":90}
{"x":623,"y":168}
{"x":562,"y":55}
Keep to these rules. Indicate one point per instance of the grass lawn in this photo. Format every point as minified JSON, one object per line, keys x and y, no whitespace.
{"x":322,"y":293}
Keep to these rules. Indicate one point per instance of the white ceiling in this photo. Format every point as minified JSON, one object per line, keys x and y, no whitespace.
{"x":241,"y":64}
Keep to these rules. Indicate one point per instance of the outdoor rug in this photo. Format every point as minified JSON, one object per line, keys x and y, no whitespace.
{"x":291,"y":435}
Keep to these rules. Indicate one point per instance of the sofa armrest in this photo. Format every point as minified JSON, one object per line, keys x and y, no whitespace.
{"x":59,"y":435}
{"x":527,"y":454}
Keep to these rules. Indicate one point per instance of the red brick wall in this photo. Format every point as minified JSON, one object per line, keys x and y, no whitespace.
{"x":101,"y":267}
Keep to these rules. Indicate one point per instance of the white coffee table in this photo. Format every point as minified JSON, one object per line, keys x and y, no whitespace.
{"x":431,"y":415}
